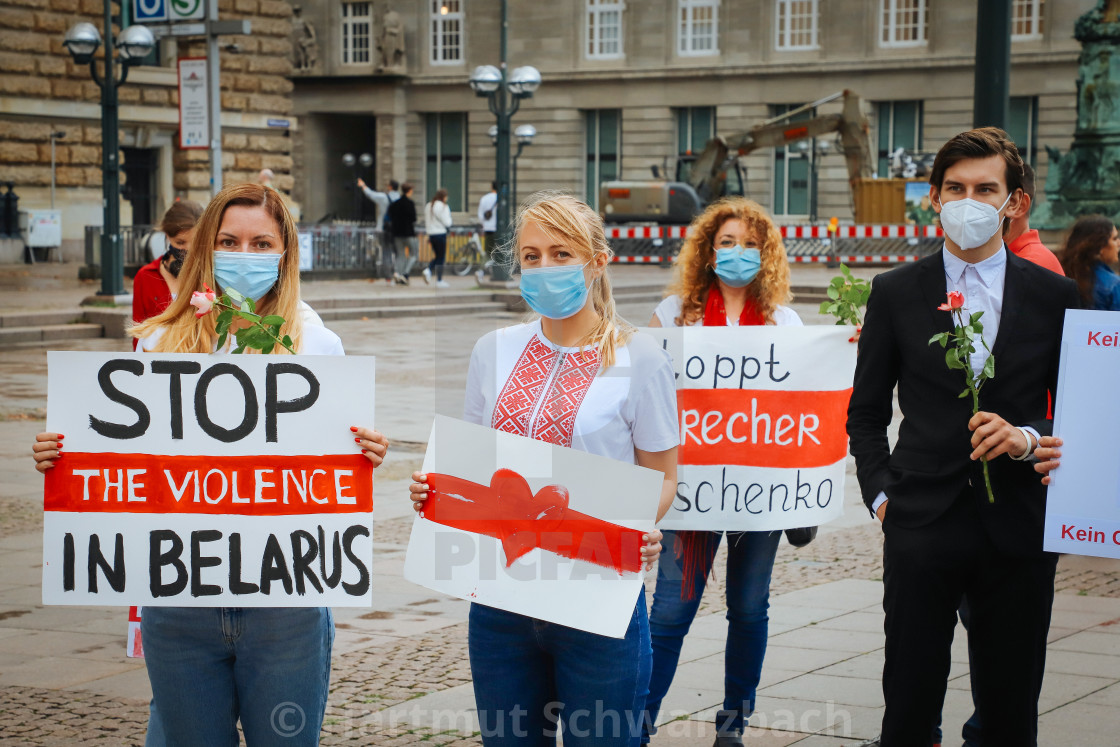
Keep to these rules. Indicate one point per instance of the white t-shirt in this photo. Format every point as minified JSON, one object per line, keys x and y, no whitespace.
{"x":670,"y":308}
{"x":488,"y":201}
{"x":315,"y":340}
{"x":522,"y":383}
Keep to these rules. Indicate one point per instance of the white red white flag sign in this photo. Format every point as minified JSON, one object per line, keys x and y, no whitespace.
{"x":200,"y":480}
{"x":1083,"y":501}
{"x":532,"y":528}
{"x":762,"y":413}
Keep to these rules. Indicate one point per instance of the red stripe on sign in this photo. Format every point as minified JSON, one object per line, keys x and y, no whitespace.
{"x":274,"y":485}
{"x":760,"y":428}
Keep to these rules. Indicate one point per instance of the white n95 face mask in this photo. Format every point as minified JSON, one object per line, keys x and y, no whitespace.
{"x":969,"y":223}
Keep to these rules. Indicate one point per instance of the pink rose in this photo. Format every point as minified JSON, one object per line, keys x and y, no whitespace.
{"x":955,"y":301}
{"x":203,"y":301}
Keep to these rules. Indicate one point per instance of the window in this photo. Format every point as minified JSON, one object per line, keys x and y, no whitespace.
{"x":604,"y":142}
{"x":904,"y":23}
{"x":1022,"y":125}
{"x":797,"y":25}
{"x":447,"y":32}
{"x":696,"y":125}
{"x":1026,"y":19}
{"x":445,"y":145}
{"x":899,"y":126}
{"x":604,"y":28}
{"x":792,"y":168}
{"x":357,"y":19}
{"x":697,"y":27}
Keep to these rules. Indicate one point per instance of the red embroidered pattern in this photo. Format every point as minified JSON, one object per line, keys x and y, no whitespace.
{"x":524,"y":388}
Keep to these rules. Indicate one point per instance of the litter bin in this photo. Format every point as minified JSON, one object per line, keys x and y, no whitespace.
{"x":41,"y":231}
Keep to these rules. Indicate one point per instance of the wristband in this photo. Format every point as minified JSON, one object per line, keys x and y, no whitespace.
{"x":1029,"y":452}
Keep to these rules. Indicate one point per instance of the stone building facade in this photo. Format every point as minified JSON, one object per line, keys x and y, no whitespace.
{"x":43,"y":91}
{"x":630,"y":85}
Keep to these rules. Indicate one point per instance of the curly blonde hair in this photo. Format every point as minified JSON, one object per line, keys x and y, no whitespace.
{"x":695,"y":265}
{"x":570,"y":221}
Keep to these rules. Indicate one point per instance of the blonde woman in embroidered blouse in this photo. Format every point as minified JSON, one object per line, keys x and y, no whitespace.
{"x":612,"y":394}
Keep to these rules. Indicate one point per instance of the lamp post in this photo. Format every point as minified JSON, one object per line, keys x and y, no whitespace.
{"x":524,"y":134}
{"x":815,"y":149}
{"x":504,"y":93}
{"x":135,"y":43}
{"x":348,"y":160}
{"x":55,"y":135}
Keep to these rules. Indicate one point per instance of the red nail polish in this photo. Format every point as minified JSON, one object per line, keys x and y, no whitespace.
{"x":357,"y":440}
{"x":353,"y":429}
{"x":60,"y":436}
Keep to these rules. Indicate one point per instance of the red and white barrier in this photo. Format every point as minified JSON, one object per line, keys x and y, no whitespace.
{"x":790,"y":232}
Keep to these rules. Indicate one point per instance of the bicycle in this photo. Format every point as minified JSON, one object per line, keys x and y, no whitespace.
{"x":467,"y":256}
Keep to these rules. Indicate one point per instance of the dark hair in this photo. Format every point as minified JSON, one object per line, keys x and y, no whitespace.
{"x":1082,"y":250}
{"x":979,"y":143}
{"x":1028,"y":181}
{"x":406,"y":188}
{"x":494,"y":186}
{"x":183,"y":215}
{"x":440,"y":195}
{"x":394,"y":184}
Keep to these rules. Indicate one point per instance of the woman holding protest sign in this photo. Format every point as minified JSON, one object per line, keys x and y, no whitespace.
{"x":610,"y":392}
{"x":731,"y":271}
{"x":210,"y":667}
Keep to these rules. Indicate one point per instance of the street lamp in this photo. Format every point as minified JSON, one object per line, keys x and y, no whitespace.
{"x":135,"y":43}
{"x":503,"y":93}
{"x":814,"y":149}
{"x":524,"y":134}
{"x":348,"y":160}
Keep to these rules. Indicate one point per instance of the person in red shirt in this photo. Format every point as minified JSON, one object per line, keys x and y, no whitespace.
{"x":1021,"y":239}
{"x":157,"y":282}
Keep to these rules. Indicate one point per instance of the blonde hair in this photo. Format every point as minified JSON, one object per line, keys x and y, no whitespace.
{"x":695,"y":266}
{"x":571,"y":222}
{"x":181,"y":331}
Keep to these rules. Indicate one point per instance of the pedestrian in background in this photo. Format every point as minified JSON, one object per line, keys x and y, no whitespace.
{"x":1092,"y":246}
{"x":437,"y":220}
{"x":157,"y":283}
{"x":488,"y":215}
{"x":380,"y":200}
{"x":402,"y":218}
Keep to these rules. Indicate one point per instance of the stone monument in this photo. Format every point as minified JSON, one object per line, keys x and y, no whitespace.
{"x":1086,"y":179}
{"x":305,"y":43}
{"x":391,"y":43}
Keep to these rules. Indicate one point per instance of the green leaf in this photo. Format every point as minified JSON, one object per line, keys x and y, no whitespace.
{"x":975,"y":317}
{"x":238,"y":350}
{"x":833,"y":292}
{"x":826,"y":308}
{"x":287,"y":342}
{"x":939,"y":337}
{"x":273,"y":319}
{"x":222,"y":339}
{"x":990,"y":367}
{"x":964,"y":394}
{"x":951,"y":359}
{"x":268,"y":348}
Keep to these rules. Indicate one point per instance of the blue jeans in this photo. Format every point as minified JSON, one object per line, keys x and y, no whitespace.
{"x":750,"y":559}
{"x":530,"y":675}
{"x":210,"y":666}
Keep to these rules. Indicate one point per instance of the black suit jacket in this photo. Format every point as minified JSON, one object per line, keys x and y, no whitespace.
{"x":929,"y":467}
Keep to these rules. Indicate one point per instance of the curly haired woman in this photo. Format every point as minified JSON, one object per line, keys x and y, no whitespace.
{"x":731,"y":271}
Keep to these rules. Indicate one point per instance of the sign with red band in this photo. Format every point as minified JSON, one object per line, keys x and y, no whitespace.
{"x":762,"y":413}
{"x":208,"y":480}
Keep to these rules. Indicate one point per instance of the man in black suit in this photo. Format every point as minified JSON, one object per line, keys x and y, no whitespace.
{"x":944,"y":540}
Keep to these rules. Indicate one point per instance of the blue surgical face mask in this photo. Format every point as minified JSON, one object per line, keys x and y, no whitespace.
{"x":251,"y":275}
{"x":554,"y":292}
{"x":737,"y":266}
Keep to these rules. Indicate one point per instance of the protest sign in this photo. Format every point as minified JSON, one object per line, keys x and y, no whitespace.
{"x":533,"y":528}
{"x":762,"y":413}
{"x":1083,"y":501}
{"x":199,"y":480}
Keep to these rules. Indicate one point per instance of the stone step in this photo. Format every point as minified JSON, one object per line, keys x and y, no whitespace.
{"x":48,"y":333}
{"x":418,"y":310}
{"x":39,"y":318}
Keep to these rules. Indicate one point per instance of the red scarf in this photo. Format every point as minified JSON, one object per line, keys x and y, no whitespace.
{"x":698,"y":548}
